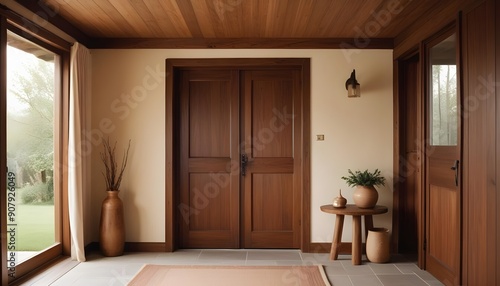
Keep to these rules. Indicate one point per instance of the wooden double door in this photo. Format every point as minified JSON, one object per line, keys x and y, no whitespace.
{"x":240,"y":173}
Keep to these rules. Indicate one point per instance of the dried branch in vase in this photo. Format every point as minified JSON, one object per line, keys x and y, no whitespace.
{"x":113,"y":175}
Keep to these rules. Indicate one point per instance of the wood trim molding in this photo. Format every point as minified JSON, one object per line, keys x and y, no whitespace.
{"x":51,"y":15}
{"x":32,"y":31}
{"x":492,"y":242}
{"x":496,"y":267}
{"x":401,"y":164}
{"x":63,"y":149}
{"x":319,"y":247}
{"x":130,"y":247}
{"x":315,"y":247}
{"x":396,"y":155}
{"x":241,"y":43}
{"x":306,"y":157}
{"x":144,"y":247}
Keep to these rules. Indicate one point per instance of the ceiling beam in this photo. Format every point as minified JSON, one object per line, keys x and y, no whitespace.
{"x":32,"y":31}
{"x":50,"y":14}
{"x":242,"y":43}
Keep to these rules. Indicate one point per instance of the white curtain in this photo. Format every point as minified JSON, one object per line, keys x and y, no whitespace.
{"x":79,"y":91}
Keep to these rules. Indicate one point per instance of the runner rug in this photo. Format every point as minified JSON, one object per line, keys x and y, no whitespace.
{"x":151,"y":274}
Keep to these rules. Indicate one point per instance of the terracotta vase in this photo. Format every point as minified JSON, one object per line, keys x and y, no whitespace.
{"x":365,"y":197}
{"x":377,"y":245}
{"x":112,"y":225}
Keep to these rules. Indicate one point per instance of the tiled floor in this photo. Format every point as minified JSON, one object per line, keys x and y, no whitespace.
{"x":100,"y":270}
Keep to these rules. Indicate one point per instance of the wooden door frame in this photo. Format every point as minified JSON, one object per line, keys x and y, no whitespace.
{"x":399,"y":163}
{"x":172,"y":138}
{"x":421,"y":136}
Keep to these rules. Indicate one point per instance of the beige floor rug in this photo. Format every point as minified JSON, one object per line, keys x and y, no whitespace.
{"x":151,"y":274}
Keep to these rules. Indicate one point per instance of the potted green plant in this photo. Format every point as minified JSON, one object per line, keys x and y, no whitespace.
{"x":365,"y":196}
{"x":112,"y":223}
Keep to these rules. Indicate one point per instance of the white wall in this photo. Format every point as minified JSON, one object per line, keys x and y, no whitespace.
{"x":128,"y":102}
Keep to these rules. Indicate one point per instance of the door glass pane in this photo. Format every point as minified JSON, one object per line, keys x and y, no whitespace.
{"x":30,"y":148}
{"x":443,"y":93}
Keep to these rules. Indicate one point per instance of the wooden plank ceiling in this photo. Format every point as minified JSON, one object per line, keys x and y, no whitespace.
{"x":239,"y":18}
{"x":202,"y":20}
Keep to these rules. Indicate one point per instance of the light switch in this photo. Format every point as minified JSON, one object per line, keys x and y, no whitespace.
{"x":320,"y":137}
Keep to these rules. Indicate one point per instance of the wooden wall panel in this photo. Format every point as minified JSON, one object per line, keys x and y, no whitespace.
{"x":481,"y":71}
{"x":496,"y":268}
{"x":479,"y":190}
{"x":430,"y":23}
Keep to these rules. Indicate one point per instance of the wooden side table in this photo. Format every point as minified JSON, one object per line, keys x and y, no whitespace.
{"x":356,"y":214}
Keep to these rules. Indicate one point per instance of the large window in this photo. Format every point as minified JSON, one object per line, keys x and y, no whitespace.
{"x":30,"y":147}
{"x":34,"y":139}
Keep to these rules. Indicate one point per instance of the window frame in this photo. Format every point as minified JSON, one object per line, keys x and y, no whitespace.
{"x":38,"y":35}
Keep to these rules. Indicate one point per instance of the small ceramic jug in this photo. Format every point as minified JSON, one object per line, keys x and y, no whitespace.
{"x":340,"y":201}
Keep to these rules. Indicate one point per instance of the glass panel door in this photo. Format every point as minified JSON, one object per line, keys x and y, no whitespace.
{"x":443,"y":170}
{"x":31,"y":192}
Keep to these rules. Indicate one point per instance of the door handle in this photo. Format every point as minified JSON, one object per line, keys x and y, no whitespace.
{"x":455,"y":168}
{"x":243,"y":163}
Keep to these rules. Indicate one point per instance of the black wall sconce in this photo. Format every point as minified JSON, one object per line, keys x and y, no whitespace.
{"x":352,"y":86}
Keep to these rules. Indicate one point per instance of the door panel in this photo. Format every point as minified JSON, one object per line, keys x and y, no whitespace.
{"x":271,"y":185}
{"x":481,"y":248}
{"x":443,"y":212}
{"x":209,"y":123}
{"x":269,"y":96}
{"x":215,"y":217}
{"x":271,"y":210}
{"x":221,"y":205}
{"x":443,"y":201}
{"x":209,"y":196}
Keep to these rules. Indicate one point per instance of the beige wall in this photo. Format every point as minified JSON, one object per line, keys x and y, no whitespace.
{"x":128,"y":102}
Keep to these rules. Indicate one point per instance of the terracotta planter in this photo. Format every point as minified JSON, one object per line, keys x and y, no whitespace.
{"x":365,"y":197}
{"x":378,"y":245}
{"x":112,"y":225}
